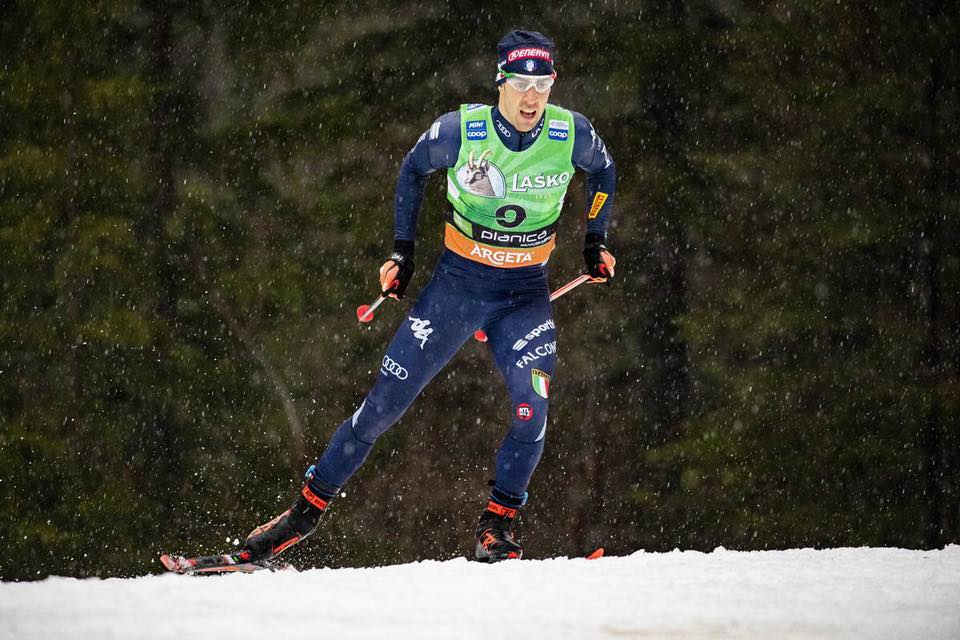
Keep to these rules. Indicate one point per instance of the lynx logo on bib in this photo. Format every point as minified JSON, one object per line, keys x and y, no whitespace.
{"x":481,"y":177}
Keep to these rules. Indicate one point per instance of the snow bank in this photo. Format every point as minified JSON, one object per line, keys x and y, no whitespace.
{"x":838,"y":593}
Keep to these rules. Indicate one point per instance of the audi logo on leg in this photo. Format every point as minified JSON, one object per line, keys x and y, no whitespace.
{"x":393,"y":367}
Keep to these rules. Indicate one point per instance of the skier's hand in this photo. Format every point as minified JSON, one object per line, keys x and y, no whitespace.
{"x":396,"y":272}
{"x":600,"y":262}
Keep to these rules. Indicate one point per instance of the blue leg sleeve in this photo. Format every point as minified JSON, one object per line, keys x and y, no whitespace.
{"x":431,"y":333}
{"x":524,"y":347}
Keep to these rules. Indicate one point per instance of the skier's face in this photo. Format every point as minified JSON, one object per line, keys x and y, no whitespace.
{"x":522,"y":110}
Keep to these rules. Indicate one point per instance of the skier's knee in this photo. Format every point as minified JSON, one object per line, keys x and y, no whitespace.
{"x":371,"y":420}
{"x":529,"y":423}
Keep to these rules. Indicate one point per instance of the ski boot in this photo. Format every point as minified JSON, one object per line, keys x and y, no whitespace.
{"x":290,"y":527}
{"x":495,"y":534}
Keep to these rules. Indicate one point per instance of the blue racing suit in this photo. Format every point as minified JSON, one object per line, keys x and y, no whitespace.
{"x":511,"y":305}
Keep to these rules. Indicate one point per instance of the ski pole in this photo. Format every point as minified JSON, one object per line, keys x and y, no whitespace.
{"x":365,"y":311}
{"x":573,"y":284}
{"x":481,"y":336}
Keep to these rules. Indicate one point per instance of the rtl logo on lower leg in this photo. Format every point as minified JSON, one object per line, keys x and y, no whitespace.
{"x":524,"y":411}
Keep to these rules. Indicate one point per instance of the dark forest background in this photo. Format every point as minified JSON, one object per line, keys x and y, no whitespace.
{"x":195,"y":196}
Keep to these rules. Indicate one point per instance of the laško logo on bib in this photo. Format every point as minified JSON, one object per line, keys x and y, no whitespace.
{"x":521,"y":183}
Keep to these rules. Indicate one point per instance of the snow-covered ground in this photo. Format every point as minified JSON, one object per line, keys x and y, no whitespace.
{"x":776,"y":595}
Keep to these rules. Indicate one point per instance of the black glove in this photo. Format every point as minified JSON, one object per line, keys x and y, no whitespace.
{"x":596,"y":267}
{"x":402,"y":256}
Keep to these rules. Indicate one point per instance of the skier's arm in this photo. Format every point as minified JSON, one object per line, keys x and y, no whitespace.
{"x":591,"y":155}
{"x":437,"y":148}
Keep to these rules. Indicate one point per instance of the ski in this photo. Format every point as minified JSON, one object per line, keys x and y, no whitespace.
{"x":231,"y":563}
{"x":226,"y":563}
{"x":595,"y":555}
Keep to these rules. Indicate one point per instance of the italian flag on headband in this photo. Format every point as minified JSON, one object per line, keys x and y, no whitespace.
{"x":541,"y":382}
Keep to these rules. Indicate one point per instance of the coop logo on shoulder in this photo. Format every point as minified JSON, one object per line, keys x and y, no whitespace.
{"x":558,"y":130}
{"x":474,"y":105}
{"x":476,"y":129}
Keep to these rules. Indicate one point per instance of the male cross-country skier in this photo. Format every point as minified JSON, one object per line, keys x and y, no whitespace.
{"x":508,"y":168}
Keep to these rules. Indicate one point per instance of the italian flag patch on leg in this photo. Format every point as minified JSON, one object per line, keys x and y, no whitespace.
{"x":541,"y":382}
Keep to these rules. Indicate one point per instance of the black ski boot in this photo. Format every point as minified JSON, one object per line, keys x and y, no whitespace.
{"x":495,"y":534}
{"x":287,"y":529}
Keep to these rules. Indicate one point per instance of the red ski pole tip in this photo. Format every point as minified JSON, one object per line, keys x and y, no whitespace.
{"x":596,"y":554}
{"x":363,"y":314}
{"x":480,"y":336}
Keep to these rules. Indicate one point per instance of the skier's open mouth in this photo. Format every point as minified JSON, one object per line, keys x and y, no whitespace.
{"x":528,"y":115}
